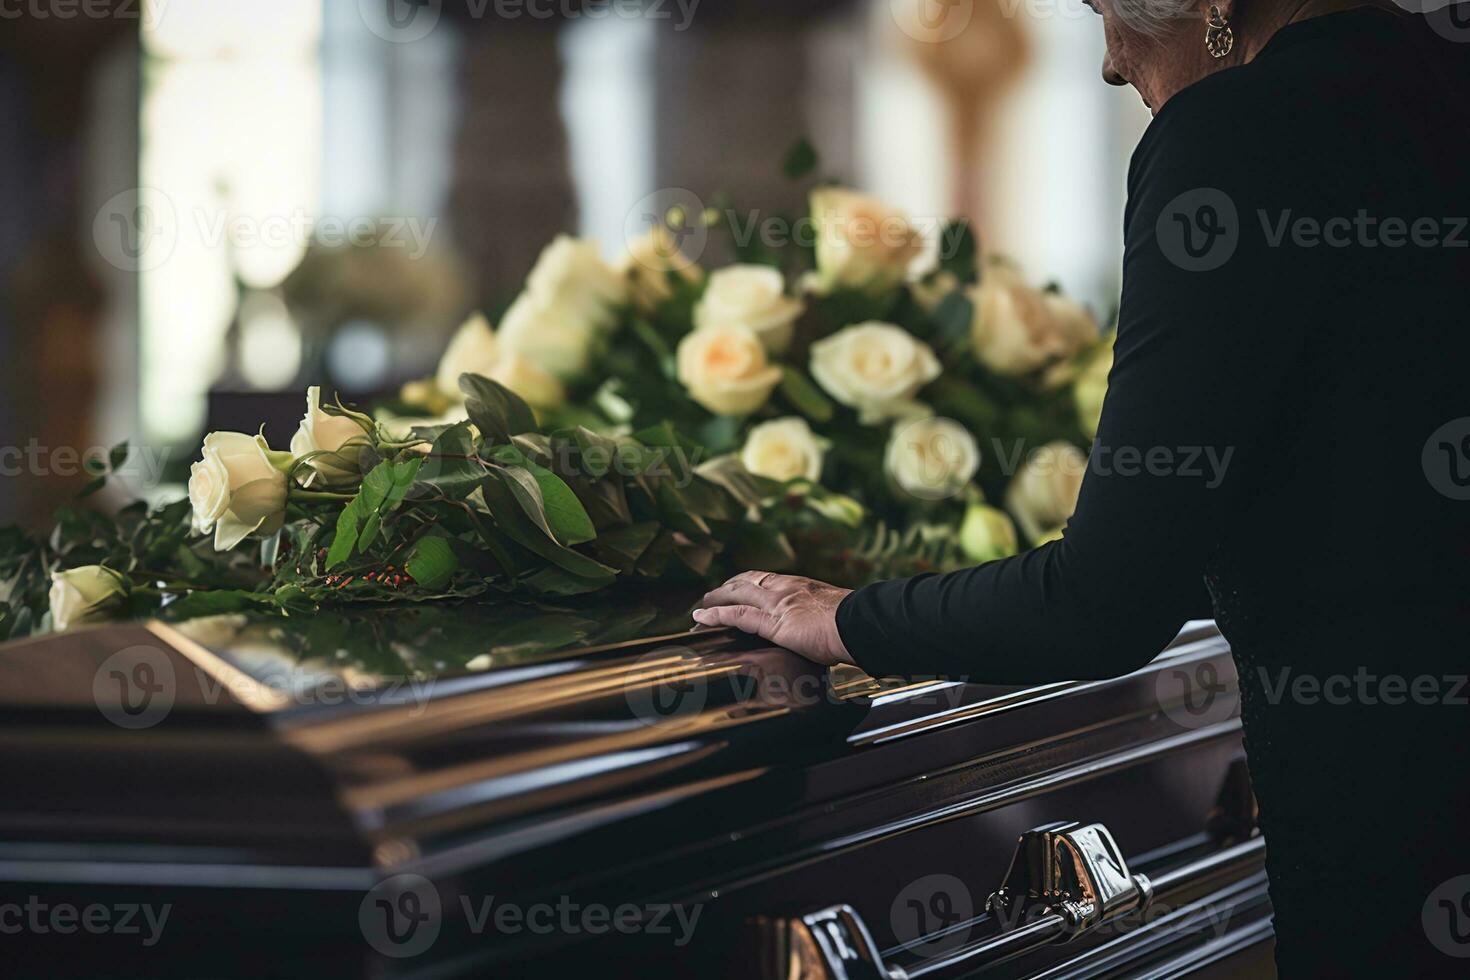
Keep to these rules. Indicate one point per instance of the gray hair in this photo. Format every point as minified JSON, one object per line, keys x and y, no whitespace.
{"x":1155,"y":18}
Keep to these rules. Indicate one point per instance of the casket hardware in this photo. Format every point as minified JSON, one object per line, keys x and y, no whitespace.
{"x":1071,"y":869}
{"x":1064,"y":879}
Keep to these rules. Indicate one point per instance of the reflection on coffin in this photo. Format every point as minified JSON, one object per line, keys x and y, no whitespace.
{"x":683,"y":803}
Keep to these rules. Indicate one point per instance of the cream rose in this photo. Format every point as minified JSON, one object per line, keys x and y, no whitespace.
{"x":1018,"y":330}
{"x":862,"y":243}
{"x":570,"y":297}
{"x":646,"y":266}
{"x":752,"y":295}
{"x":238,"y":488}
{"x":538,"y":386}
{"x":1043,"y":494}
{"x":570,"y":273}
{"x":78,"y":594}
{"x":724,"y":368}
{"x":987,"y":533}
{"x":784,"y":449}
{"x":473,"y":350}
{"x":1091,"y":387}
{"x":931,"y":459}
{"x":876,"y":368}
{"x":339,"y":437}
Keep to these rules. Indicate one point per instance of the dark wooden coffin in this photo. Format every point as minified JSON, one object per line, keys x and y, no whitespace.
{"x":592,"y":792}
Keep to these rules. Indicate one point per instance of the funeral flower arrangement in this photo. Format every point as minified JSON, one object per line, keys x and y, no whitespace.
{"x":831,"y":406}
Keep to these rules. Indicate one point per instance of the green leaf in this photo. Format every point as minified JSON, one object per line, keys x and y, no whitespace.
{"x":564,"y":514}
{"x":959,"y":251}
{"x":504,"y":492}
{"x":433,"y":563}
{"x":92,"y":487}
{"x":117,"y":456}
{"x":954,"y":317}
{"x":631,"y":541}
{"x":800,"y":160}
{"x":496,"y":411}
{"x":805,"y":395}
{"x":451,"y":466}
{"x":347,"y":525}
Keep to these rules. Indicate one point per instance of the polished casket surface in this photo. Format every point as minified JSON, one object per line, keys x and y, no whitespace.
{"x":487,"y":790}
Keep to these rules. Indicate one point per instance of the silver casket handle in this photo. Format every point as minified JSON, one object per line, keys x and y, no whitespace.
{"x":1064,"y":880}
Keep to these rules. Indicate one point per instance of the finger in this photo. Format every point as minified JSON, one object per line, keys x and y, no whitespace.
{"x":746,"y":618}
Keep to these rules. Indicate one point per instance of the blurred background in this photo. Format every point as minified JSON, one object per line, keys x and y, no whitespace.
{"x":211,"y":202}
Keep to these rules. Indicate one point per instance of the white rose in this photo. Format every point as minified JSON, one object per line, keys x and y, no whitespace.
{"x":752,"y":295}
{"x":646,"y":265}
{"x":338,"y":436}
{"x":724,"y":368}
{"x":876,"y":368}
{"x":987,"y":534}
{"x":549,"y":334}
{"x":932,"y":458}
{"x":538,"y":386}
{"x":473,"y":350}
{"x":1091,"y":387}
{"x":1043,"y":494}
{"x":783,"y":449}
{"x":238,"y":488}
{"x":570,"y":273}
{"x":862,"y":243}
{"x":78,"y":594}
{"x":1018,"y":330}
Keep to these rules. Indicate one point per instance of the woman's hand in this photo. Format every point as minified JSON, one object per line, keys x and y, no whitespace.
{"x":797,"y":613}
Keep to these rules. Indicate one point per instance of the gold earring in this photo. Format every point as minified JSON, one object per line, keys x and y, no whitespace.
{"x":1219,"y":38}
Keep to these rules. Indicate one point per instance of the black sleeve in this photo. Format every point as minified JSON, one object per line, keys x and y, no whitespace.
{"x":1202,"y":354}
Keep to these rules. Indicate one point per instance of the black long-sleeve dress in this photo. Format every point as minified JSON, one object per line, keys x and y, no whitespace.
{"x":1293,"y":355}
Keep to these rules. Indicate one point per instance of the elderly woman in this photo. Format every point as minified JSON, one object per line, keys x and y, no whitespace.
{"x":1296,"y":297}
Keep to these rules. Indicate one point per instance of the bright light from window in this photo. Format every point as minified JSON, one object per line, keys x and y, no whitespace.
{"x":231,"y":136}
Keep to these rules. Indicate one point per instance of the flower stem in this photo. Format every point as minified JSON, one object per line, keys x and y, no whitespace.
{"x":321,"y":495}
